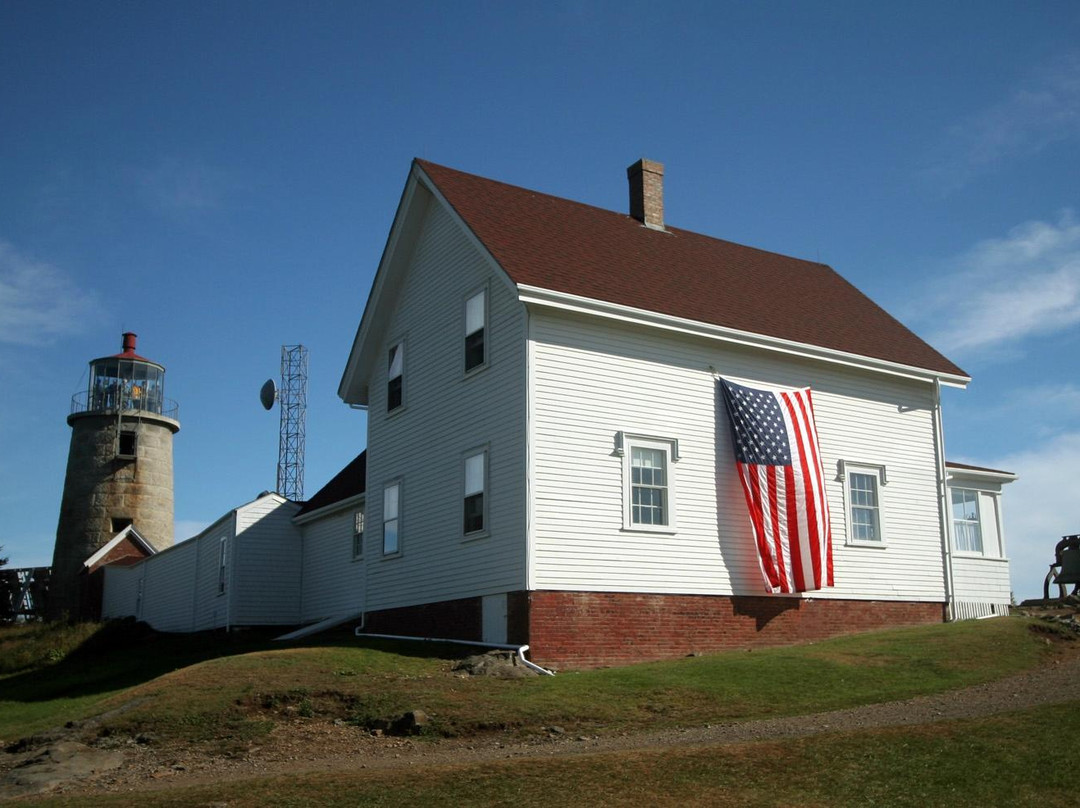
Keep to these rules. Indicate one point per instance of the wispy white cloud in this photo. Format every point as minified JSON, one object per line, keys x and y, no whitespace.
{"x":182,"y":186}
{"x":1042,"y":110}
{"x":1004,"y":290}
{"x":38,"y":302}
{"x":1040,"y":507}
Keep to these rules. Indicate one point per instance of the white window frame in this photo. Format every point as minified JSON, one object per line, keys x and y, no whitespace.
{"x":877,"y":473}
{"x":957,"y":521}
{"x":625,"y":444}
{"x":483,"y":327}
{"x":358,"y":534}
{"x":469,"y":489}
{"x":396,"y":486}
{"x":400,"y":346}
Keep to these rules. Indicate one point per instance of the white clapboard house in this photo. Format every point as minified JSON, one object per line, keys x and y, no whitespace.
{"x":522,"y":358}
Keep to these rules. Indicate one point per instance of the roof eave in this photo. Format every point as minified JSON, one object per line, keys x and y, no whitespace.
{"x":329,"y":508}
{"x":532,"y":295}
{"x":983,"y":475}
{"x":351,"y":388}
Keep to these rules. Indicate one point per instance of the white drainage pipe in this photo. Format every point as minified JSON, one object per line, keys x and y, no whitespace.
{"x":520,"y":649}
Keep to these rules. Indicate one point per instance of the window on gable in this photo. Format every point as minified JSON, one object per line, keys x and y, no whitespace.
{"x":475,"y":321}
{"x":394,"y":376}
{"x":475,"y":504}
{"x":648,"y":484}
{"x":358,"y":534}
{"x":967,"y":528}
{"x":391,"y":519}
{"x":863,"y":490}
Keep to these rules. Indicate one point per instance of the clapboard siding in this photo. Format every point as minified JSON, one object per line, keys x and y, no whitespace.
{"x":180,"y":584}
{"x":121,"y":591}
{"x":167,"y":580}
{"x":445,"y":414}
{"x":981,"y":579}
{"x":332,"y":580}
{"x":591,"y":379}
{"x":211,"y":607}
{"x":266,"y":577}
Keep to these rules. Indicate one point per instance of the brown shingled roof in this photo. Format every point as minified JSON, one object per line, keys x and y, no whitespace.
{"x":348,"y":482}
{"x":950,"y":464}
{"x":564,"y":246}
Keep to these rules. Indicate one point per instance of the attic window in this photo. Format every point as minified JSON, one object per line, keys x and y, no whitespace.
{"x":394,"y":376}
{"x":475,"y":320}
{"x":118,"y":523}
{"x":127,"y":444}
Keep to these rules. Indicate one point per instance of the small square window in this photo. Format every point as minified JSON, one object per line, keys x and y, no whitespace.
{"x":127,"y":444}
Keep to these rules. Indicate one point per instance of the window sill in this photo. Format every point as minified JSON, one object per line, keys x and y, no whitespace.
{"x":396,"y":411}
{"x":980,"y":556}
{"x":665,"y":530}
{"x":468,"y":374}
{"x":854,"y":543}
{"x":390,"y":556}
{"x":479,"y":534}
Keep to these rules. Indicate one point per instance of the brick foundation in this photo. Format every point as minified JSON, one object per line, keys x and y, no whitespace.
{"x":596,"y":629}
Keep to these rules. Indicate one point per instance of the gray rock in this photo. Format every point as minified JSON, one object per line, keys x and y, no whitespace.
{"x":56,"y":764}
{"x":411,"y":723}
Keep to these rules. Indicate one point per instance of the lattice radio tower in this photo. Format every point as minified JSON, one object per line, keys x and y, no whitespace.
{"x":292,"y":398}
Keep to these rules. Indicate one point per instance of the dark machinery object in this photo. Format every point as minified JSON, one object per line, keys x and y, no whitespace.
{"x":1066,"y":567}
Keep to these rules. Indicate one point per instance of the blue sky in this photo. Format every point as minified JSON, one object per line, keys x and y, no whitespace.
{"x":220,"y":179}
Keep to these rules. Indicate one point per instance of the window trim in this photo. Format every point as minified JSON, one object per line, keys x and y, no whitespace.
{"x":484,"y":327}
{"x":625,"y":443}
{"x":399,"y":343}
{"x":358,"y":535}
{"x":981,"y":552}
{"x":877,"y":472}
{"x":485,"y":491}
{"x":395,"y":483}
{"x":223,"y":566}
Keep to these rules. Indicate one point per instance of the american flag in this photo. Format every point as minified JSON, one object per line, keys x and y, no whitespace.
{"x":779,"y":465}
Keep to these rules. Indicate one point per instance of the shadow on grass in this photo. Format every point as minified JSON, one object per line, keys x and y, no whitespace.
{"x":124,"y":653}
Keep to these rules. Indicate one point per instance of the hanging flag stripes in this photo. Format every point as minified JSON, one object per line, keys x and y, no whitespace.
{"x":779,"y":466}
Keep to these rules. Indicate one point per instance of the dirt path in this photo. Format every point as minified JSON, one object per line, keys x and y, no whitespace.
{"x":320,"y":746}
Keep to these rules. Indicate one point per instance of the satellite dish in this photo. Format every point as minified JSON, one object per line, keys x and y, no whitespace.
{"x":268,"y":394}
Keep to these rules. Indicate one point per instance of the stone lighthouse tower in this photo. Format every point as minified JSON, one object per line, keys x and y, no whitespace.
{"x":119,"y":471}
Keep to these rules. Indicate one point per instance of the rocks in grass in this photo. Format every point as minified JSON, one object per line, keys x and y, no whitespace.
{"x":501,"y":663}
{"x":56,"y":764}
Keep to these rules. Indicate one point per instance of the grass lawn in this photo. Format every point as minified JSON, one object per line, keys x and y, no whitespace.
{"x":1018,"y":759}
{"x":221,"y":689}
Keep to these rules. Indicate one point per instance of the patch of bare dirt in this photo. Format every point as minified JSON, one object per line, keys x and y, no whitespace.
{"x":314,"y":745}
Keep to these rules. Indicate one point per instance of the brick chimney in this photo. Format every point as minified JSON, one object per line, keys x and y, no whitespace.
{"x":647,"y":193}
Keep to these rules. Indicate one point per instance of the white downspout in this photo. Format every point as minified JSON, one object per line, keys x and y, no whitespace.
{"x":943,"y":493}
{"x":520,"y":649}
